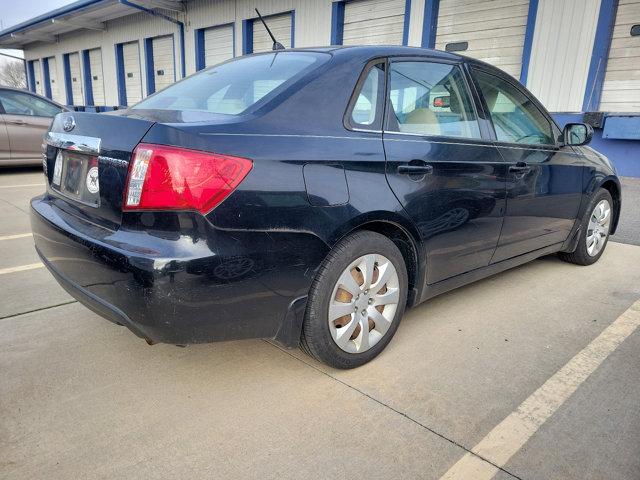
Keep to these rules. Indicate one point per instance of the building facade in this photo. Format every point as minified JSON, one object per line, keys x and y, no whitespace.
{"x":581,"y":58}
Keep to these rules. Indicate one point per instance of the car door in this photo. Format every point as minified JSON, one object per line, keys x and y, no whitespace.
{"x":544,"y":181}
{"x":5,"y":149}
{"x":27,"y":118}
{"x":442,"y":166}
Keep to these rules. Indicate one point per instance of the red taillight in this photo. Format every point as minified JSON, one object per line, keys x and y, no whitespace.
{"x":171,"y":178}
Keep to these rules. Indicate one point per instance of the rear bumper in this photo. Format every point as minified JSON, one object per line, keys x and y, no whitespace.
{"x":196,"y":285}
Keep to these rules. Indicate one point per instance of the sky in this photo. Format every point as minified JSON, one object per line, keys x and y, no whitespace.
{"x":13,"y":12}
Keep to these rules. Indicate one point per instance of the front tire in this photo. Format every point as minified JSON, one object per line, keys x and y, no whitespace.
{"x":356,"y":301}
{"x":594,"y":230}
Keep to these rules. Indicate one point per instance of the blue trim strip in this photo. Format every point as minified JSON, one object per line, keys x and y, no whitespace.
{"x":199,"y":43}
{"x":122,"y":84}
{"x":430,"y":23}
{"x":247,"y":36}
{"x":337,"y":22}
{"x":293,"y":29}
{"x":47,"y":77}
{"x":66,"y":65}
{"x":32,"y":76}
{"x":528,"y":40}
{"x":407,"y":19}
{"x":599,"y":55}
{"x":88,"y":87}
{"x":148,"y":58}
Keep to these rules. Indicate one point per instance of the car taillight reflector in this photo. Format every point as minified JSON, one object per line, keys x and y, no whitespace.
{"x":171,"y":178}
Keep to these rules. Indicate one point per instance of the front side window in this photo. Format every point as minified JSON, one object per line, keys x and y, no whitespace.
{"x":430,"y":98}
{"x":515,"y":118}
{"x":18,"y":103}
{"x":233,"y":87}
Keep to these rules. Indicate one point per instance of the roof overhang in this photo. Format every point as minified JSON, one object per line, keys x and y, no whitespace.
{"x":79,"y":15}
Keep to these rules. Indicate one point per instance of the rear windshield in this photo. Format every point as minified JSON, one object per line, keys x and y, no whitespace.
{"x":232,"y":87}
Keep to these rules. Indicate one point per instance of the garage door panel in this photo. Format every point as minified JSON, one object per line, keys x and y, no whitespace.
{"x":37,"y":74}
{"x":480,"y":7}
{"x":494,"y":30}
{"x":483,"y":15}
{"x":492,"y":27}
{"x":97,"y":79}
{"x":75,"y":74}
{"x":218,"y":45}
{"x":512,"y":41}
{"x":132,"y":72}
{"x":373,"y":22}
{"x":54,"y":81}
{"x":280,"y":26}
{"x":621,"y":87}
{"x":163,"y":62}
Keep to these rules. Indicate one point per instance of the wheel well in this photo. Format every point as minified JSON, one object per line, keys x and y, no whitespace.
{"x":405,"y":244}
{"x":614,"y":190}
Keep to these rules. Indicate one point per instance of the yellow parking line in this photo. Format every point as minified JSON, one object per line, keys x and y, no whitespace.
{"x":13,"y":237}
{"x":23,"y":185}
{"x":21,"y":268}
{"x":494,"y":450}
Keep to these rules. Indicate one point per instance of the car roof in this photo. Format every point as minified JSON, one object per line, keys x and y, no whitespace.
{"x":382,"y":50}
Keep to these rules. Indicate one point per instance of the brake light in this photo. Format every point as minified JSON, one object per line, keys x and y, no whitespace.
{"x":172,"y":178}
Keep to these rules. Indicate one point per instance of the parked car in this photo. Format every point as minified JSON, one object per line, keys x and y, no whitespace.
{"x":24,"y":120}
{"x":311,"y":195}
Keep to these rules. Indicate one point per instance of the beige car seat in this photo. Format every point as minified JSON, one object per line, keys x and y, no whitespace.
{"x":422,"y":121}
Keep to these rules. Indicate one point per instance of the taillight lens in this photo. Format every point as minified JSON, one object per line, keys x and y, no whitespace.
{"x":171,"y":178}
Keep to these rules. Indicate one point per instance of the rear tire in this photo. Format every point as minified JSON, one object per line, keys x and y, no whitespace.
{"x":364,"y":278}
{"x":594,"y":230}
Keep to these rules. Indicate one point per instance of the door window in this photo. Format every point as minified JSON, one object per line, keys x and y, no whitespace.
{"x":18,"y":103}
{"x":367,"y":108}
{"x":515,"y":117}
{"x":430,"y":98}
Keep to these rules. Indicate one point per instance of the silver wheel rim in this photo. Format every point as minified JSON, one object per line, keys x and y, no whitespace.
{"x":363,"y":303}
{"x":598,"y":228}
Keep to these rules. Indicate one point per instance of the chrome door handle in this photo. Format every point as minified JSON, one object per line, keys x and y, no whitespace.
{"x":415,"y":169}
{"x":520,"y":168}
{"x":16,"y":122}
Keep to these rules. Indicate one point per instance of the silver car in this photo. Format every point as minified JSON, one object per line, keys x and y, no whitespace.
{"x":24,"y":119}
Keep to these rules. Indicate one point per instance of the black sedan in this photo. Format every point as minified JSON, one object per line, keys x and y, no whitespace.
{"x":311,"y":195}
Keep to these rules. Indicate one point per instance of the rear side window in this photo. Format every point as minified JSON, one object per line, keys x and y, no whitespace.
{"x":233,"y":87}
{"x":18,"y":103}
{"x":366,"y":112}
{"x":429,"y":98}
{"x":515,"y":117}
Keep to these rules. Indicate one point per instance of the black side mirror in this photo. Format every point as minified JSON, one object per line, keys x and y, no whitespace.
{"x":577,"y":134}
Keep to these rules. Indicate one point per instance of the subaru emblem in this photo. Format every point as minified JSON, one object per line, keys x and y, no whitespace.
{"x":68,"y":123}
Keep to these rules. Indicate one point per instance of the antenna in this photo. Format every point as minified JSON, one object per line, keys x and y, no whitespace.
{"x":276,"y":45}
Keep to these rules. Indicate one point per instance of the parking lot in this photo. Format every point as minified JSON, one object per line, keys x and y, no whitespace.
{"x":530,"y":374}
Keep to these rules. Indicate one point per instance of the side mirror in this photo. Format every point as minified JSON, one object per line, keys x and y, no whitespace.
{"x":577,"y":134}
{"x":442,"y":102}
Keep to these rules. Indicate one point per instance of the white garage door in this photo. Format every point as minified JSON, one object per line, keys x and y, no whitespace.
{"x":373,"y":22}
{"x":621,"y":88}
{"x":97,"y":79}
{"x":37,"y":74}
{"x":164,"y":72}
{"x":280,"y":26}
{"x":76,"y":78}
{"x":54,"y":81}
{"x":218,"y":45}
{"x":493,"y":29}
{"x":132,"y":79}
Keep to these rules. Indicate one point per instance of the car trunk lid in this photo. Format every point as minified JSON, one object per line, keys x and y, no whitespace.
{"x":86,"y":161}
